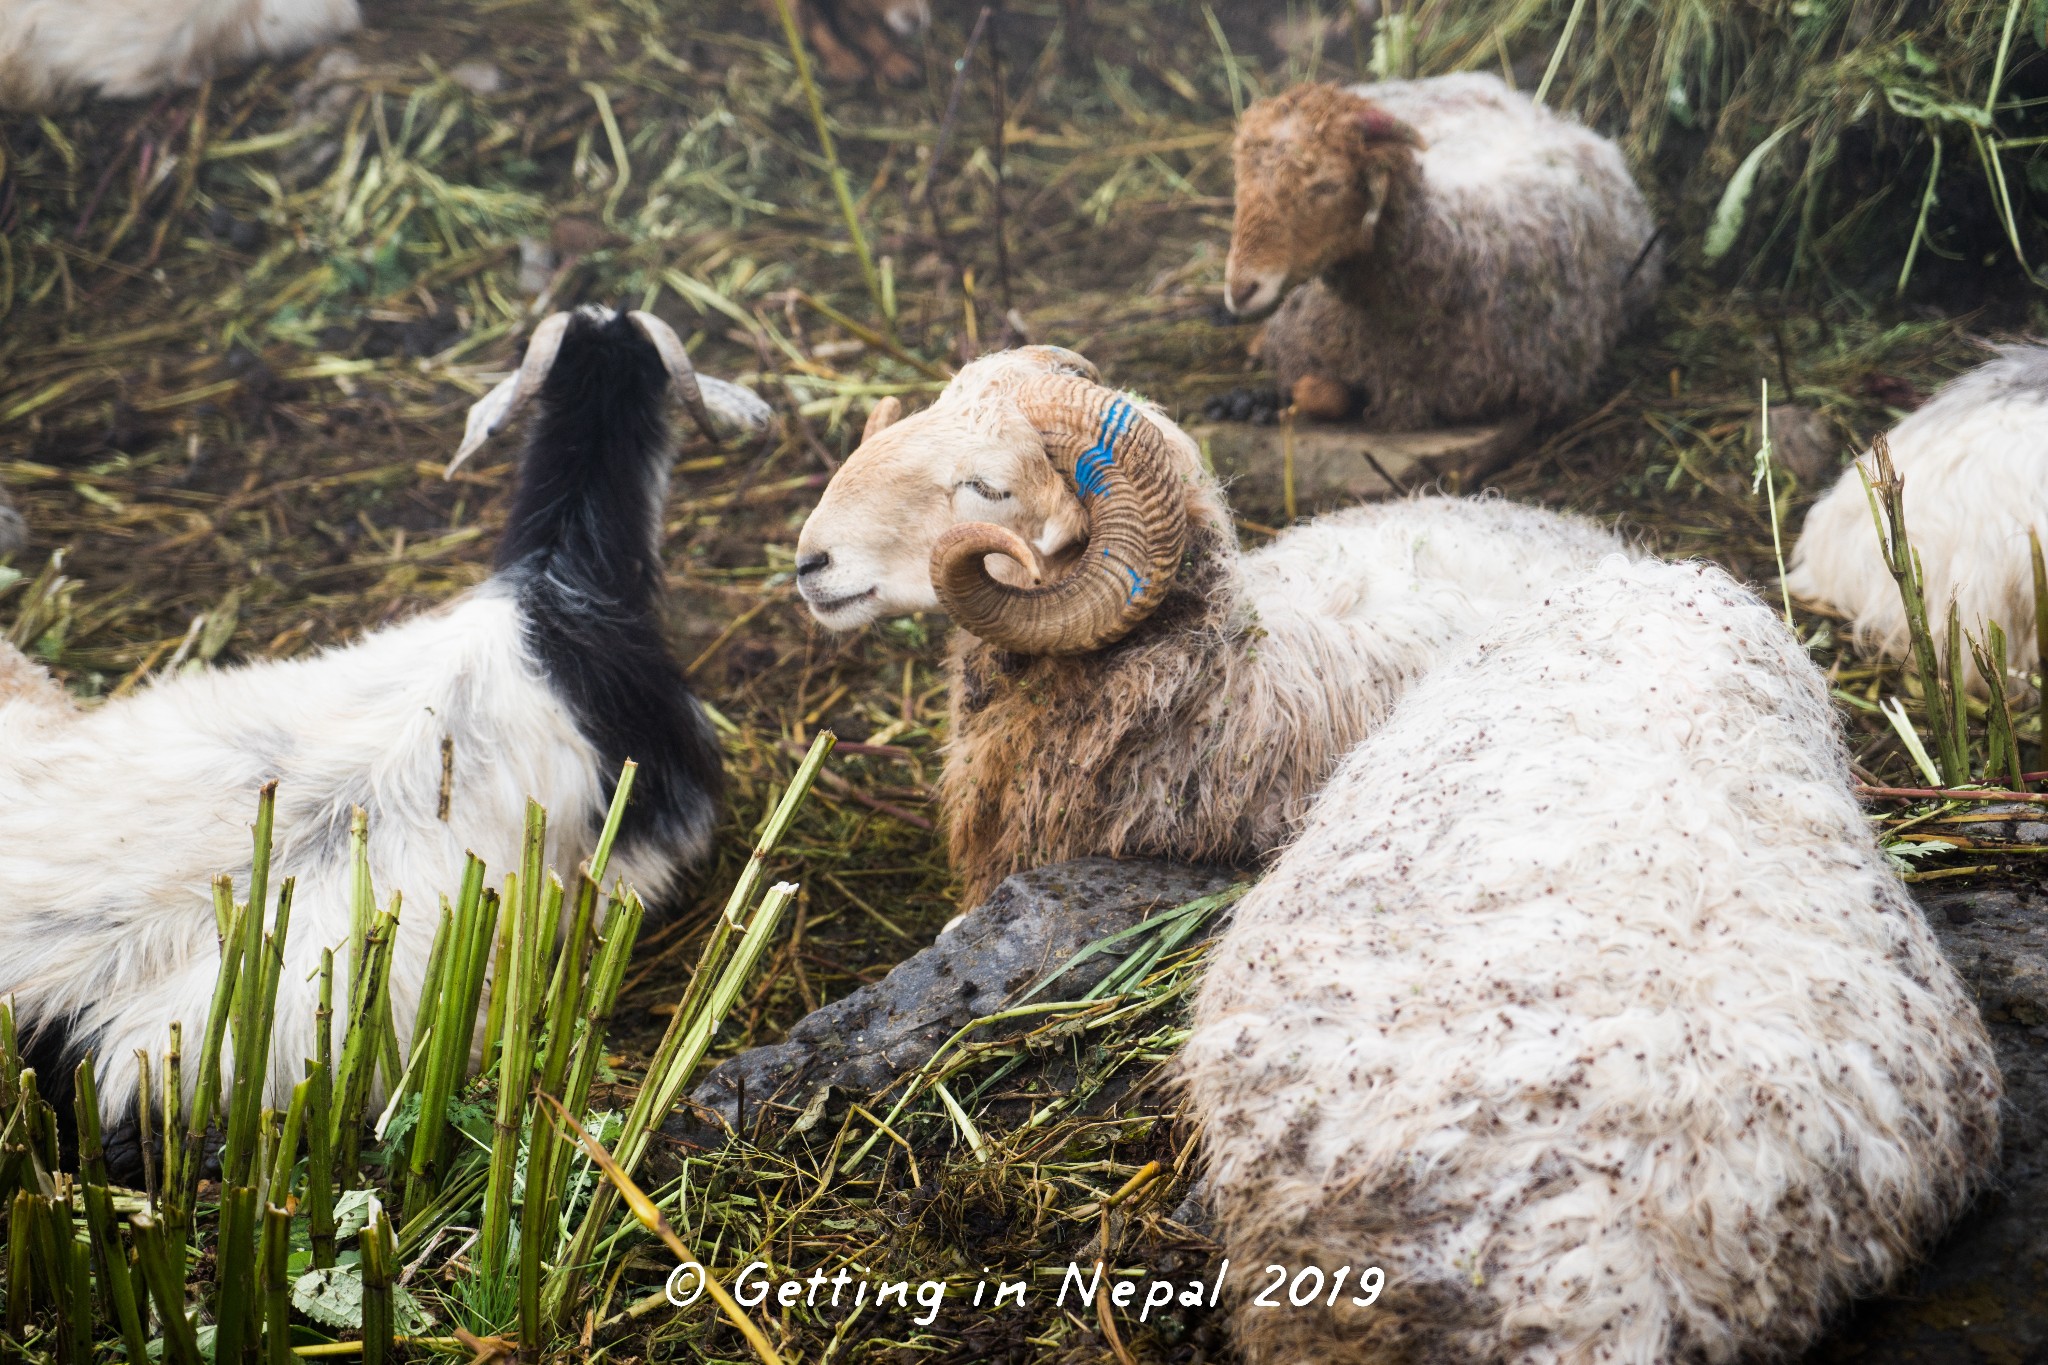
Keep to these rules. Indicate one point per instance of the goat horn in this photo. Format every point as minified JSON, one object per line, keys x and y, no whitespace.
{"x":681,"y":372}
{"x":1119,"y":466}
{"x":488,"y":415}
{"x":722,"y":411}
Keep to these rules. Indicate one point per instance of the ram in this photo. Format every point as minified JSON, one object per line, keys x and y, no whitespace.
{"x":53,"y":50}
{"x":1971,"y":461}
{"x":1124,"y":681}
{"x":1440,"y":251}
{"x":115,"y":819}
{"x":1587,"y":1009}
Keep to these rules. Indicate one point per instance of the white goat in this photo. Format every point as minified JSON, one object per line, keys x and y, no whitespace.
{"x":1588,"y":1010}
{"x":1973,"y":461}
{"x":1161,"y":694}
{"x":115,"y":819}
{"x":51,"y":50}
{"x":1461,"y":251}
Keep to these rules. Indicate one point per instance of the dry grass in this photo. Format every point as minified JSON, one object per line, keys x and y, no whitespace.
{"x":239,"y":328}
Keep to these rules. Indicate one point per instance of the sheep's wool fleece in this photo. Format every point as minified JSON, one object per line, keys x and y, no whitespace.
{"x":110,"y":929}
{"x":1205,"y":733}
{"x":124,"y":48}
{"x":1974,"y":461}
{"x":1587,"y":1008}
{"x":1520,"y":257}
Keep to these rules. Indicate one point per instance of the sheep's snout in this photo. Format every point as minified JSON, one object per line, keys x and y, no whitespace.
{"x":1252,"y":295}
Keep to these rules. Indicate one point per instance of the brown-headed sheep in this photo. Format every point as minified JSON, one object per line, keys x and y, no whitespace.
{"x":1125,"y":682}
{"x":1588,"y":1011}
{"x":1460,"y":251}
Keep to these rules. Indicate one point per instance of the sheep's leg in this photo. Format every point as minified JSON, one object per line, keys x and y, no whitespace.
{"x":841,"y":62}
{"x":893,"y":64}
{"x":1321,"y":398}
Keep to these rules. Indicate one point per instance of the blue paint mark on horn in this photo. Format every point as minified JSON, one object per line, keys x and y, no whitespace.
{"x":1091,"y":470}
{"x":1139,"y":582}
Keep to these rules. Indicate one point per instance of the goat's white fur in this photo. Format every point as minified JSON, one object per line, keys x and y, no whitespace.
{"x":115,"y":819}
{"x":53,"y":49}
{"x":1974,"y":461}
{"x":1588,"y":1009}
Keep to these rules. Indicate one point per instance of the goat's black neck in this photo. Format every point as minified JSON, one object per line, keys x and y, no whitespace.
{"x":582,"y":551}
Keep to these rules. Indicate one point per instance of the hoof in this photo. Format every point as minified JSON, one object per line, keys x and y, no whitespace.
{"x":1320,"y":399}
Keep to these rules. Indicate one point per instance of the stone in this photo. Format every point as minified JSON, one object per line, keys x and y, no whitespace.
{"x":1341,"y":464}
{"x":1032,"y":923}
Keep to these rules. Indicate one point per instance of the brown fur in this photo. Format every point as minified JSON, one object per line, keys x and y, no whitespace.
{"x":852,"y":38}
{"x":1059,"y":758}
{"x":1433,"y":296}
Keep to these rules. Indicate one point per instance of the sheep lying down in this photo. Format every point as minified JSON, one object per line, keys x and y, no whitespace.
{"x":1971,"y":462}
{"x":1586,"y":1007}
{"x":51,"y":50}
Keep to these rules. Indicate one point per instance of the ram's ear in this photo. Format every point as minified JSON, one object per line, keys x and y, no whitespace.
{"x":1381,"y":129}
{"x":881,"y":417}
{"x":1060,"y":360}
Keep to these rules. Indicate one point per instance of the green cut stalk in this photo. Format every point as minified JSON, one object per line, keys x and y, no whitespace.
{"x":277,"y":1297}
{"x":378,"y":1256}
{"x":320,"y":1164}
{"x":10,"y":1056}
{"x":501,"y":971}
{"x":252,"y":1054}
{"x":1958,"y":694}
{"x":2002,"y":760}
{"x":235,"y":1275}
{"x":544,"y":1154}
{"x":21,"y":1264}
{"x":654,"y":1099}
{"x":1888,"y":510}
{"x":519,"y":992}
{"x":448,"y":1052}
{"x":74,"y":1315}
{"x":167,"y":1287}
{"x":601,"y":857}
{"x":359,"y":1049}
{"x":664,"y":1085}
{"x":206,"y":1095}
{"x":2040,"y":641}
{"x":110,"y":1257}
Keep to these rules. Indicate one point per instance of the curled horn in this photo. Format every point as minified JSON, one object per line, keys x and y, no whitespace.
{"x":488,"y":415}
{"x":1120,"y":467}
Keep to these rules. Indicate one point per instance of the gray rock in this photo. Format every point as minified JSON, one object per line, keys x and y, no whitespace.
{"x":1804,"y":441}
{"x":1033,"y":923}
{"x":1983,"y":1295}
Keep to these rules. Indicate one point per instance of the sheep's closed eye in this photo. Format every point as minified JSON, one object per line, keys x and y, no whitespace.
{"x":982,"y":490}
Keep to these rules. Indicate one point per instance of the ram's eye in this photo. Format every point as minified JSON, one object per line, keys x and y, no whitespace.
{"x":982,"y":490}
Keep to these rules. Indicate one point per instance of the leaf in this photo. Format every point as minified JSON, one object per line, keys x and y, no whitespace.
{"x":334,"y":1298}
{"x":352,"y":1212}
{"x":1734,"y":206}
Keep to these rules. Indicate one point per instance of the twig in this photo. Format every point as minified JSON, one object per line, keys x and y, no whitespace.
{"x":995,"y":55}
{"x":1951,"y":794}
{"x":837,"y":172}
{"x":945,"y":139}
